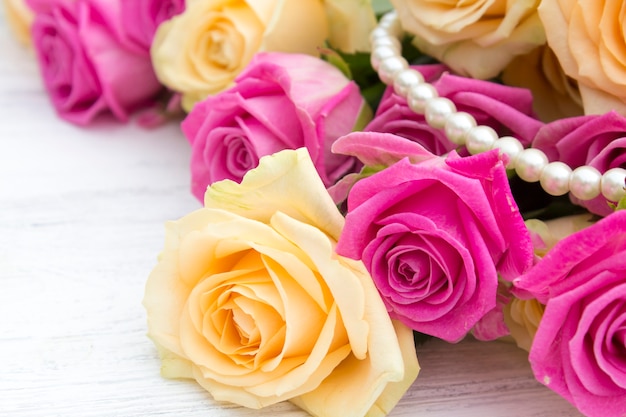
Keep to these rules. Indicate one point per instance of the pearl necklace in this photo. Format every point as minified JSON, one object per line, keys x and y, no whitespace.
{"x":531,"y":165}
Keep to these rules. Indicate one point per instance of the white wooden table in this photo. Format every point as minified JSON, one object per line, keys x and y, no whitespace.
{"x":81,"y":223}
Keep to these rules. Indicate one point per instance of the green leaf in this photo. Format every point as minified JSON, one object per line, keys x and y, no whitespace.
{"x":381,"y":6}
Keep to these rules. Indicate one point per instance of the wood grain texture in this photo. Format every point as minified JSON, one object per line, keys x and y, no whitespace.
{"x":81,"y":224}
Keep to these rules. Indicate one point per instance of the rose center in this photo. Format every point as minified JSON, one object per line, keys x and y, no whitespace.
{"x":222,"y":44}
{"x":240,"y":155}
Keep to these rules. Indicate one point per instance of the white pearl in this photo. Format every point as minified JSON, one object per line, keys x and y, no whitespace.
{"x":381,"y":53}
{"x":388,"y":41}
{"x":379,"y":32}
{"x":480,"y":139}
{"x":529,"y":164}
{"x":406,"y":79}
{"x":457,"y":125}
{"x":511,"y":147}
{"x":389,"y":67}
{"x":613,"y":183}
{"x":437,"y":111}
{"x":419,"y":95}
{"x":555,"y":178}
{"x":584,"y":182}
{"x":391,"y":24}
{"x":389,"y":17}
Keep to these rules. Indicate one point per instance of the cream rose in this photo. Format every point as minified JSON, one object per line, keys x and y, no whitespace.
{"x":350,"y":23}
{"x":522,"y":316}
{"x":590,"y":43}
{"x":475,"y":38}
{"x":555,"y":95}
{"x":201,"y":51}
{"x":20,"y":17}
{"x":250,"y":300}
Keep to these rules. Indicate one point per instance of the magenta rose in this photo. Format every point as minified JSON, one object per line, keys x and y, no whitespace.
{"x":86,"y":68}
{"x":434,"y":234}
{"x":506,"y":109}
{"x":140,"y":19}
{"x":281,"y":101}
{"x":596,"y":140}
{"x":579,"y":350}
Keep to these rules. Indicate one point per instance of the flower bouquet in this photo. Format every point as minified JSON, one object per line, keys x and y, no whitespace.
{"x":371,"y":174}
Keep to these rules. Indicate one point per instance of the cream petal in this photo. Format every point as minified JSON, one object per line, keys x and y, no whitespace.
{"x":296,"y":27}
{"x":260,"y":389}
{"x":346,"y":285}
{"x":264,"y":9}
{"x":286,"y":182}
{"x":200,"y":51}
{"x":554,"y":16}
{"x":366,"y":388}
{"x":350,"y":22}
{"x":394,"y":391}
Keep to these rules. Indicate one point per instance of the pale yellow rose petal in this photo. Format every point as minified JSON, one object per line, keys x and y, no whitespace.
{"x":395,"y":390}
{"x":369,"y":387}
{"x":350,"y":22}
{"x":20,"y":18}
{"x":517,"y":11}
{"x":522,"y":317}
{"x":201,"y":51}
{"x":286,"y":182}
{"x":265,"y":388}
{"x":296,"y":27}
{"x":470,"y":59}
{"x":347,"y":289}
{"x":599,"y":102}
{"x":264,"y":9}
{"x":298,"y":267}
{"x":450,"y":16}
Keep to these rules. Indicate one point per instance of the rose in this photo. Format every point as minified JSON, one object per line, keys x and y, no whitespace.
{"x":349,"y":24}
{"x":595,"y":140}
{"x":200,"y":52}
{"x":506,"y":109}
{"x":522,"y":318}
{"x":555,"y":95}
{"x":140,"y":19}
{"x":522,"y":313}
{"x":20,"y":17}
{"x":249,"y":299}
{"x":587,"y":39}
{"x":434,"y":234}
{"x":85,"y":67}
{"x":579,"y":348}
{"x":476,"y":39}
{"x":281,"y":101}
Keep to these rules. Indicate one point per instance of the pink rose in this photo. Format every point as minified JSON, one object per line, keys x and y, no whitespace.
{"x":86,"y":69}
{"x":596,"y":140}
{"x":281,"y":101}
{"x":435,"y":234}
{"x":506,"y":109}
{"x":140,"y":19}
{"x":579,"y":349}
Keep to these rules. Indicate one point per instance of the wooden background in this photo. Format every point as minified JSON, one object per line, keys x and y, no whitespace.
{"x":81,"y":224}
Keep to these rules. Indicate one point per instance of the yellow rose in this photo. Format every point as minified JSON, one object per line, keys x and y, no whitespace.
{"x":350,"y":23}
{"x":522,"y":317}
{"x":20,"y":17}
{"x":588,"y":39}
{"x":250,"y":300}
{"x":555,"y":95}
{"x":475,"y":38}
{"x":201,"y":51}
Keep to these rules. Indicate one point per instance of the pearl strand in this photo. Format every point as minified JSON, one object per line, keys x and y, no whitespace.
{"x":531,"y":165}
